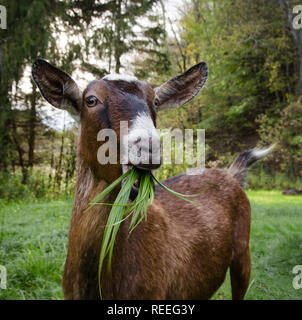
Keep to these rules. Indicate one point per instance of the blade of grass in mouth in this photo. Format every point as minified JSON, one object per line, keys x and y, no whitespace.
{"x":177,"y":194}
{"x":121,"y":209}
{"x":104,"y":193}
{"x":142,"y":202}
{"x":113,"y":223}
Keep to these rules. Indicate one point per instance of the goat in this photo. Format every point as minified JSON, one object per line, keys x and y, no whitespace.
{"x":181,"y":251}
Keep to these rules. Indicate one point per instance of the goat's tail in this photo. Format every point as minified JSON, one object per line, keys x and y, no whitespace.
{"x":239,"y":167}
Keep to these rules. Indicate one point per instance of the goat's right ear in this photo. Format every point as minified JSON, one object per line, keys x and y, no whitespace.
{"x":57,"y":87}
{"x":182,"y":88}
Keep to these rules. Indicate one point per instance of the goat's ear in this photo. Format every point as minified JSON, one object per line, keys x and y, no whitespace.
{"x":57,"y":87}
{"x":182,"y":88}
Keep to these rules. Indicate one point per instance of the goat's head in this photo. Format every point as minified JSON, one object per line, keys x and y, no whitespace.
{"x":105,"y":103}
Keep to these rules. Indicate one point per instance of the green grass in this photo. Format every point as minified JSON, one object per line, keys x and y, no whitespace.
{"x":33,"y":240}
{"x":33,"y":247}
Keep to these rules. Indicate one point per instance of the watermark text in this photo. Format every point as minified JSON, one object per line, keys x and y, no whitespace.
{"x":297,"y":21}
{"x":297,"y":281}
{"x":2,"y":277}
{"x":3,"y":17}
{"x":154,"y":147}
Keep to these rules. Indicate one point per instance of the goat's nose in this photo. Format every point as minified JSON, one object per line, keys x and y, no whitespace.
{"x":137,"y":140}
{"x":150,"y":166}
{"x":146,"y":144}
{"x":145,"y":153}
{"x":154,"y":155}
{"x":150,"y":145}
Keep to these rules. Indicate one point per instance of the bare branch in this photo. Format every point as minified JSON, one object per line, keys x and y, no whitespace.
{"x":178,"y":45}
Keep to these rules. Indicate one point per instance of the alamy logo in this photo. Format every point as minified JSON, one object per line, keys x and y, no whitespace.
{"x":3,"y":17}
{"x":297,"y":21}
{"x":2,"y":277}
{"x":142,"y":146}
{"x":297,"y":281}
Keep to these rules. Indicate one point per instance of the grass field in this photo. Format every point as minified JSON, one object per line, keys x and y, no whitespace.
{"x":33,"y":239}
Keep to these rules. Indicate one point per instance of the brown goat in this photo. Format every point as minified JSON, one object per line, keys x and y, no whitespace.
{"x":182,"y":251}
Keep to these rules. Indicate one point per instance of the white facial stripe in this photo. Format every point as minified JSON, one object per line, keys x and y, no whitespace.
{"x":122,"y":77}
{"x":142,"y":128}
{"x":143,"y":122}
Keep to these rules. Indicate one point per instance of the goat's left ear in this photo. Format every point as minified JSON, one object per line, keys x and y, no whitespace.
{"x":57,"y":87}
{"x":182,"y":88}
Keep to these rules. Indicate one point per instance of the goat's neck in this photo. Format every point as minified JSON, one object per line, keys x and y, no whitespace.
{"x":88,"y":187}
{"x":86,"y":233}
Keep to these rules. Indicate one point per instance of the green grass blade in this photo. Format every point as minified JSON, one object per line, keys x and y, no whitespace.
{"x":176,"y":194}
{"x":113,"y":223}
{"x":105,"y":192}
{"x":121,"y":209}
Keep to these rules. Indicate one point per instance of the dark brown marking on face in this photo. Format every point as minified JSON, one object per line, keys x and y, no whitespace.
{"x":132,"y":90}
{"x":103,"y":116}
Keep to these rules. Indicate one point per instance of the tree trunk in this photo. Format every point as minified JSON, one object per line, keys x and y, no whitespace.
{"x":32,"y":126}
{"x":51,"y":160}
{"x":118,"y":36}
{"x":58,"y":176}
{"x":20,"y":153}
{"x":0,"y":67}
{"x":118,"y":64}
{"x":5,"y":121}
{"x":300,"y":64}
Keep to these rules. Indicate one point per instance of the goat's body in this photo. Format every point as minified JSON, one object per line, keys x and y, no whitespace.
{"x":182,"y":251}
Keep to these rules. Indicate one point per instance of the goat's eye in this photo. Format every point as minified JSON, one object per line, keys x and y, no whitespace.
{"x":156,"y":102}
{"x":91,"y":101}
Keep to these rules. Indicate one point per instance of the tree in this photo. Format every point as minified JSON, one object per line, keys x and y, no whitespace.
{"x":31,"y":33}
{"x":26,"y":37}
{"x":115,"y":28}
{"x":251,"y":63}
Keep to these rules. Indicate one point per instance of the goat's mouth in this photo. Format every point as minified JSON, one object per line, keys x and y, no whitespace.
{"x":135,"y":186}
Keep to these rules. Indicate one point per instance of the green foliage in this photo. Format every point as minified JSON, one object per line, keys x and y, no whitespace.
{"x":250,"y":59}
{"x":260,"y":179}
{"x":253,"y":75}
{"x":39,"y":185}
{"x":284,"y":128}
{"x":250,"y":98}
{"x":117,"y":28}
{"x":27,"y":36}
{"x":11,"y":187}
